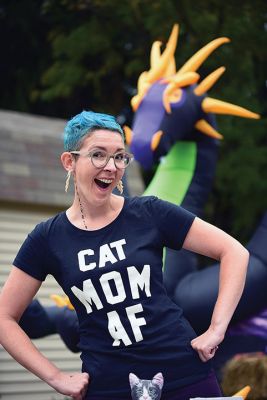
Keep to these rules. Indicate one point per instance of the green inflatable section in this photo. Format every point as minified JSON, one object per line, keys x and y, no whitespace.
{"x":174,"y":173}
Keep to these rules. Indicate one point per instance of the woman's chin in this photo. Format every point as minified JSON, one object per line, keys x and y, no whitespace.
{"x":103,"y":193}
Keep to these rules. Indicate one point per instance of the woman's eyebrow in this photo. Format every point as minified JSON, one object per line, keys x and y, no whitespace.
{"x":105,"y":149}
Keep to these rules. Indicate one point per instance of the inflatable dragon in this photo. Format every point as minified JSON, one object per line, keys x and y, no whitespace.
{"x":174,"y":127}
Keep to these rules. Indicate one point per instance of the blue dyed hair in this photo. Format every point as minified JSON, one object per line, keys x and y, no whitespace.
{"x":84,"y":123}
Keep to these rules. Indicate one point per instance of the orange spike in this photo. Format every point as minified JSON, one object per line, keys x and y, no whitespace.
{"x":62,"y":301}
{"x":210,"y":105}
{"x":142,"y":87}
{"x":171,"y":68}
{"x":155,"y":53}
{"x":166,"y":103}
{"x":158,"y":71}
{"x":243,"y":392}
{"x":171,"y":94}
{"x":68,"y":304}
{"x":128,"y":134}
{"x":203,"y":126}
{"x":209,"y":81}
{"x":135,"y":101}
{"x":160,"y":66}
{"x":155,"y":140}
{"x":186,"y":79}
{"x":200,"y":56}
{"x":59,"y":300}
{"x":142,"y":82}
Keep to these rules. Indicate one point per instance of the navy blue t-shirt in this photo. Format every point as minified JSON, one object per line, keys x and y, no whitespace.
{"x":113,"y":277}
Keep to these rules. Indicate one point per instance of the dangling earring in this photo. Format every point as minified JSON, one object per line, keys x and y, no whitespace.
{"x":67,"y":184}
{"x":120,"y":186}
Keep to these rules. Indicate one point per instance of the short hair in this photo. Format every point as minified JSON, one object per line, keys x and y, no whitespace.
{"x":84,"y":123}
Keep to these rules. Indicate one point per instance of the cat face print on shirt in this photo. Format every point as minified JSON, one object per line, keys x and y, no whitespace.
{"x":145,"y":389}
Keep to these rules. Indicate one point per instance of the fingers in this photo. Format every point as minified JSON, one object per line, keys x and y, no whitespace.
{"x":206,"y":344}
{"x":206,"y":354}
{"x":83,"y":392}
{"x":206,"y":349}
{"x":84,"y":380}
{"x":73,"y":385}
{"x":81,"y":395}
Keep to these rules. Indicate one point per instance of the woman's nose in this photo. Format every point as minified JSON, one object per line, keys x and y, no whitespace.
{"x":111,"y":165}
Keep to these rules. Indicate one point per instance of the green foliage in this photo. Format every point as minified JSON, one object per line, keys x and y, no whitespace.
{"x":240,"y":188}
{"x":61,"y":56}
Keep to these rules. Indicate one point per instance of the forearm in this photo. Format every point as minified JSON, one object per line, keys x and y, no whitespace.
{"x":212,"y":242}
{"x":20,"y":347}
{"x":233,"y":268}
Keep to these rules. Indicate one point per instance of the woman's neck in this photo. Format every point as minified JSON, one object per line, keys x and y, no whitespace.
{"x":92,"y":216}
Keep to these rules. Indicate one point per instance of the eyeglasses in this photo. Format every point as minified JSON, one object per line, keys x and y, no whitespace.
{"x":100,"y":158}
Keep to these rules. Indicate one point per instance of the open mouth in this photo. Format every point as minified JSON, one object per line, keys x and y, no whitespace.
{"x":103,"y":183}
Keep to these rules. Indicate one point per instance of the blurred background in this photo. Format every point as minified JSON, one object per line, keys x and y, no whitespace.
{"x":61,"y":56}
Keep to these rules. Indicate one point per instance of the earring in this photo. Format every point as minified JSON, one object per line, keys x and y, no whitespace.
{"x":67,"y":184}
{"x":120,"y":186}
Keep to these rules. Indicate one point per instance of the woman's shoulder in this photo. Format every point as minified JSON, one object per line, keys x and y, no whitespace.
{"x":158,"y":209}
{"x":45,"y":226}
{"x":151,"y":203}
{"x":140,"y":200}
{"x":141,"y":206}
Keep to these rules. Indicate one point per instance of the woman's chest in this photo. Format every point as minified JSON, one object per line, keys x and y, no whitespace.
{"x":111,"y":266}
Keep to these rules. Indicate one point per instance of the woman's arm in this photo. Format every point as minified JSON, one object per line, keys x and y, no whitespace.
{"x":17,"y":293}
{"x":206,"y":239}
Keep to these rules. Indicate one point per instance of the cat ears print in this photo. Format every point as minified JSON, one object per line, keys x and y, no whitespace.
{"x":157,"y":379}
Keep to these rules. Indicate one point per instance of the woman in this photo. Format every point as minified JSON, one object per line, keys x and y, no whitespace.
{"x":106,"y":253}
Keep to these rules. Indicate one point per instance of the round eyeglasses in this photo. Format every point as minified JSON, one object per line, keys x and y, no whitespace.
{"x":100,"y":158}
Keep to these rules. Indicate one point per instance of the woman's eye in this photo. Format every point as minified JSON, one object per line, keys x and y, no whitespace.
{"x":120,"y":156}
{"x":99,"y":155}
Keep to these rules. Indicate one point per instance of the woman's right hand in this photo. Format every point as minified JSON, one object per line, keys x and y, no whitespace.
{"x":73,"y":385}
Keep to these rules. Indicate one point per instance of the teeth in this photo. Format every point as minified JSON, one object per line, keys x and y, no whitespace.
{"x":105,"y":180}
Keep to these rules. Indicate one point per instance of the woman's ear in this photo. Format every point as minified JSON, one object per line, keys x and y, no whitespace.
{"x":67,"y":161}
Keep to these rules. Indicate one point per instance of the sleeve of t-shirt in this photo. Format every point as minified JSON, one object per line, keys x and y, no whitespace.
{"x":32,"y":255}
{"x":172,"y":221}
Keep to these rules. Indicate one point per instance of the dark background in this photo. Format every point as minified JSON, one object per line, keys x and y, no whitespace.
{"x":61,"y":56}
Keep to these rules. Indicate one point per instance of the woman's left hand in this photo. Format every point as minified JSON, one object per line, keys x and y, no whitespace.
{"x":207,"y":344}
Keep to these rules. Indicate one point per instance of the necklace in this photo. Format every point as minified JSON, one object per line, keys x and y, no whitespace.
{"x":81,"y":208}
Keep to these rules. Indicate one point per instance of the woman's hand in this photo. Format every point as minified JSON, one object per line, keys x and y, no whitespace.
{"x":73,"y":385}
{"x":206,"y":239}
{"x":207,"y":344}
